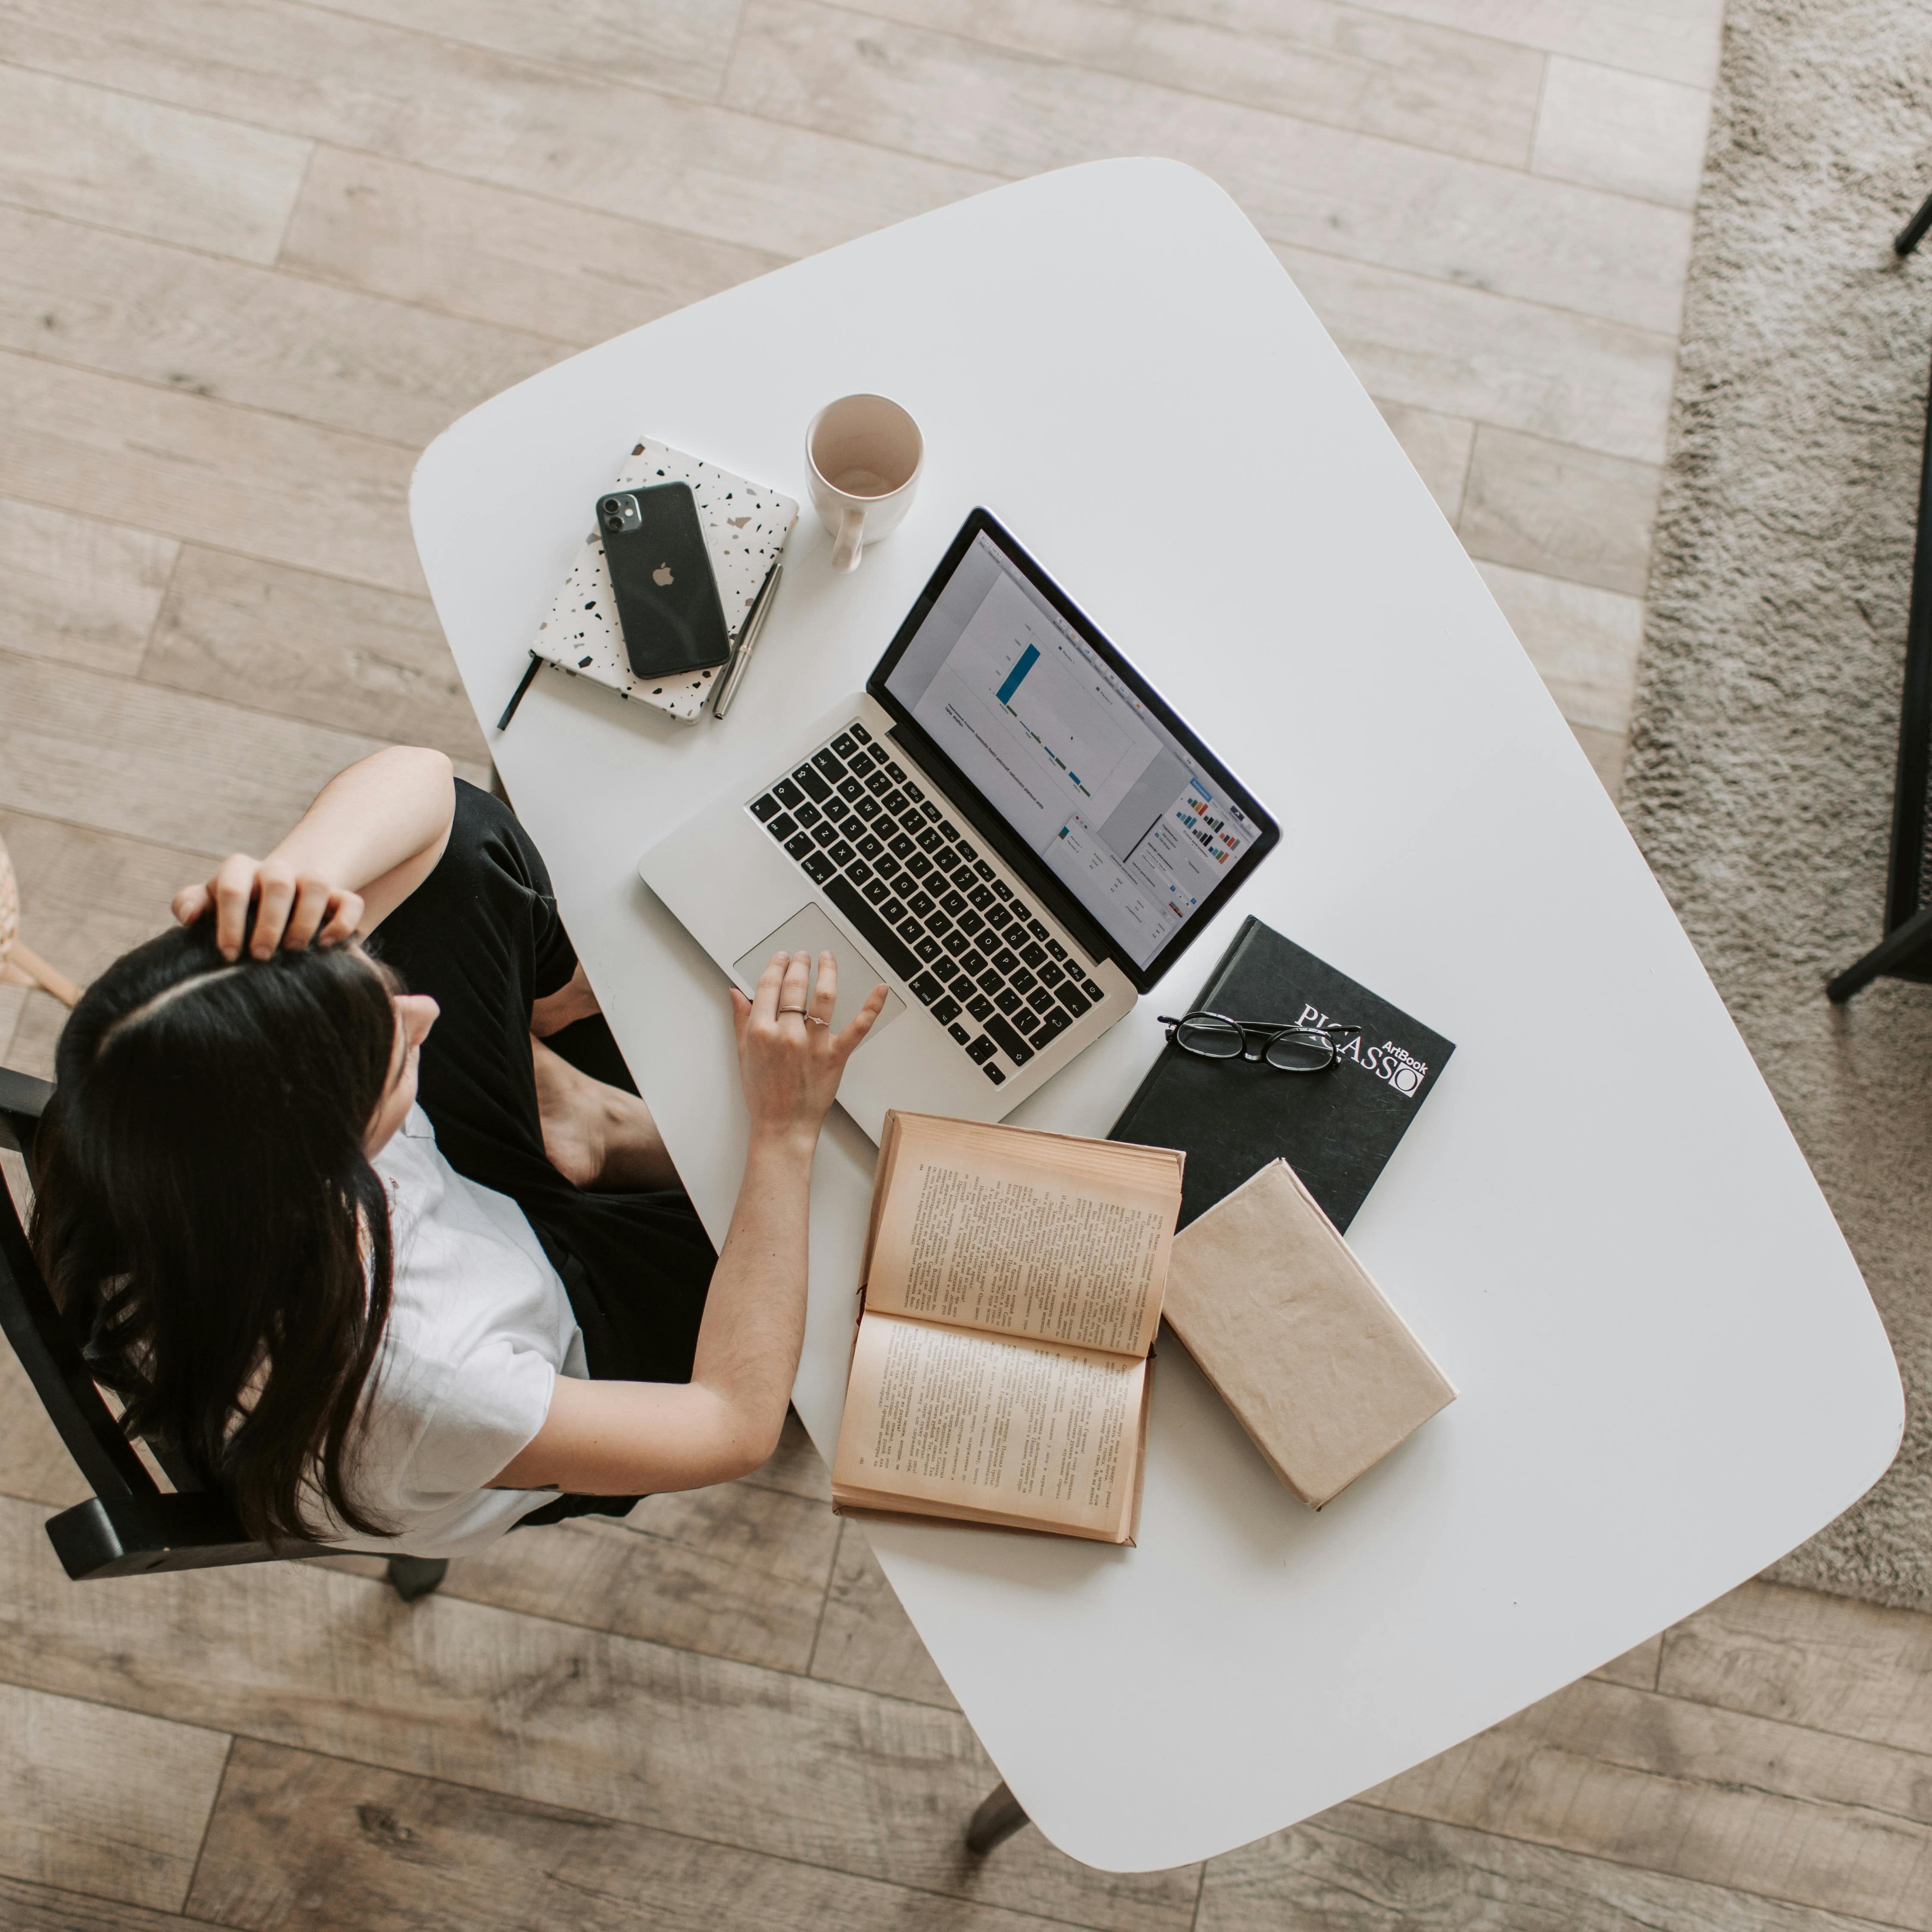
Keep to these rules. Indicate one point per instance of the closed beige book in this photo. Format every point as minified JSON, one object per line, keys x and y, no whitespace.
{"x":1300,"y":1343}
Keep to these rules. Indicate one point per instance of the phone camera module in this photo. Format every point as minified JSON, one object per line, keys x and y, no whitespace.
{"x":620,"y":513}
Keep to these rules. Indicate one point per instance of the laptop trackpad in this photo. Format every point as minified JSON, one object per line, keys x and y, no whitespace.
{"x":810,"y":930}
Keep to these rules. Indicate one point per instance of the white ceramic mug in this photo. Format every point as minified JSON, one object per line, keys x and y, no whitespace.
{"x":865,"y":454}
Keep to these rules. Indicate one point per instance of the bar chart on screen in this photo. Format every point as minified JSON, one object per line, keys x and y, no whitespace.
{"x":1093,"y":746}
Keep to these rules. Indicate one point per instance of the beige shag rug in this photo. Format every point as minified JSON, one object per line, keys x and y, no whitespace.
{"x":1759,"y":782}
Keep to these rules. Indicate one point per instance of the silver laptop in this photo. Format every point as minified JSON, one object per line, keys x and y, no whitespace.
{"x":1009,"y":826}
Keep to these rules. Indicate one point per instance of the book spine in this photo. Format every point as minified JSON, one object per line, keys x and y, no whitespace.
{"x":1124,"y":1128}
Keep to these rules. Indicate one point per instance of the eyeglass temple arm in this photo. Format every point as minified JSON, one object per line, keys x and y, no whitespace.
{"x":1255,"y":1026}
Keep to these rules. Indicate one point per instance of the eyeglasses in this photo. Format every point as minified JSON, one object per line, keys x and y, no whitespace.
{"x":1288,"y":1049}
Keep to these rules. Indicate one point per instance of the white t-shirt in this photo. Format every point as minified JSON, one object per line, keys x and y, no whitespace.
{"x":479,"y":1329}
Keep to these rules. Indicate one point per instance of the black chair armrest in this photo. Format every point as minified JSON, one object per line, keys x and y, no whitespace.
{"x":23,"y":1099}
{"x":133,"y":1536}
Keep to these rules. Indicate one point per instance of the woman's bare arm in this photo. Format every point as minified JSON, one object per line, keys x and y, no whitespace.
{"x":620,"y":1438}
{"x":616,"y":1437}
{"x":373,"y":836}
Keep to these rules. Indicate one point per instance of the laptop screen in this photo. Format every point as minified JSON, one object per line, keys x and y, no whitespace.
{"x":1071,"y":749}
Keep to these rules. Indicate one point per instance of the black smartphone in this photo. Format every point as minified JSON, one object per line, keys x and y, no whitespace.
{"x":667,"y":596}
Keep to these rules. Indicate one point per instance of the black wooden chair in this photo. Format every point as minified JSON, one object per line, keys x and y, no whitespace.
{"x":131,"y":1526}
{"x":1905,"y":952}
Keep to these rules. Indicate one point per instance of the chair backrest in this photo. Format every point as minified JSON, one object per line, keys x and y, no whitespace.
{"x":1909,"y":873}
{"x":131,"y":1524}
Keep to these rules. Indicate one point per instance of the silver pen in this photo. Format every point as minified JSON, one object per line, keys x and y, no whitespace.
{"x":754,"y":624}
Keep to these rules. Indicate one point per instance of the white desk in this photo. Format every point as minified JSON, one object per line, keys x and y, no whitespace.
{"x":1670,"y":1370}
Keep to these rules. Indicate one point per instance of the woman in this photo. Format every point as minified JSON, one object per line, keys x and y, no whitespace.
{"x":339,"y":1223}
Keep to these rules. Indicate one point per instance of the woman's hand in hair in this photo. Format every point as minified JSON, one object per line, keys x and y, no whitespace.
{"x":293,"y":908}
{"x":789,"y":1059}
{"x":373,"y":834}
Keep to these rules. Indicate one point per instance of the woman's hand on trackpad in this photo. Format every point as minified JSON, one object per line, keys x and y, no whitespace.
{"x":790,"y":1060}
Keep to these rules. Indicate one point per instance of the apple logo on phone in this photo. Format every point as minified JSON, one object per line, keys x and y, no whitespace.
{"x":661,"y":575}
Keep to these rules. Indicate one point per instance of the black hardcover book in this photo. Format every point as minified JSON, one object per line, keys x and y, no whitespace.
{"x":1337,"y":1129}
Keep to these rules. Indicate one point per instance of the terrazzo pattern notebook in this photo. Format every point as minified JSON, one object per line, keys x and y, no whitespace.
{"x":746,"y":526}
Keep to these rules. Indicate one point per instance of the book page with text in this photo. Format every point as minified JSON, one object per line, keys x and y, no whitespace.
{"x":984,"y":1238}
{"x":1030,"y":1430}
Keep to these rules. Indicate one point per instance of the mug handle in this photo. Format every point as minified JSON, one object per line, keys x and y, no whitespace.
{"x":846,"y":551}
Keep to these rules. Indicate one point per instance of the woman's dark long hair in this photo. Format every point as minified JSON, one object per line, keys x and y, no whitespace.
{"x":207,"y":1218}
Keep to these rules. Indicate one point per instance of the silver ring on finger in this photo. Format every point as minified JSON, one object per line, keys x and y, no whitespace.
{"x":812,"y":1019}
{"x":794,"y":1009}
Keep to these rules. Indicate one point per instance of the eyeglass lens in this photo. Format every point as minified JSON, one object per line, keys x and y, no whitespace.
{"x":1212,"y":1039}
{"x":1300,"y":1052}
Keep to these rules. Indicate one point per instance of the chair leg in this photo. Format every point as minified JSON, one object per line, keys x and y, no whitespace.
{"x":414,"y":1576}
{"x":1913,"y":232}
{"x":1904,"y":941}
{"x":1853,"y":980}
{"x":996,"y":1820}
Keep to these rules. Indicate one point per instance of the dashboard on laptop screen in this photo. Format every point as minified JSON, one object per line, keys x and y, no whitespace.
{"x":1075,"y":753}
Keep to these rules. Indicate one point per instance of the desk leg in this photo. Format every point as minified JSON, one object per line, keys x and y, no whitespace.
{"x":995,"y":1822}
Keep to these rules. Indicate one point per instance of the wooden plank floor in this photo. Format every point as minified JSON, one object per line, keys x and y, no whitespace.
{"x":253,"y":254}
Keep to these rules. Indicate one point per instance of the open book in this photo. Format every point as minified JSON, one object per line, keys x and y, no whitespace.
{"x":1010,"y":1292}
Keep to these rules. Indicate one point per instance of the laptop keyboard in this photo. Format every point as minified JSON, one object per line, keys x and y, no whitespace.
{"x":1001,"y":981}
